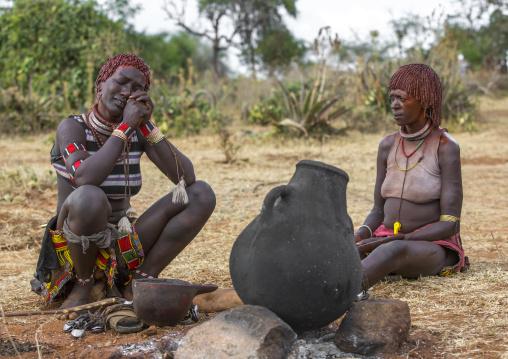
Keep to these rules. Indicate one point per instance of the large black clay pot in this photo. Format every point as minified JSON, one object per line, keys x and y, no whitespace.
{"x":298,"y":257}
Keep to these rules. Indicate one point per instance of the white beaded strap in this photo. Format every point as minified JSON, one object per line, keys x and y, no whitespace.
{"x":143,"y":274}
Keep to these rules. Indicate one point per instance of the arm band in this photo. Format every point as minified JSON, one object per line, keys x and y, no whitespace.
{"x":73,"y":169}
{"x":71,"y":148}
{"x":448,"y":218}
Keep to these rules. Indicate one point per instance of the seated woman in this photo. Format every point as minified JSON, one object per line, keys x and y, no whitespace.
{"x":418,"y":191}
{"x":97,"y":160}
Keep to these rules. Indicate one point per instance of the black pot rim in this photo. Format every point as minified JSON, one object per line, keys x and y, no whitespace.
{"x":323,"y":166}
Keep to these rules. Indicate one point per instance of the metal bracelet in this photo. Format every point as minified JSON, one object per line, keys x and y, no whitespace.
{"x":448,"y":218}
{"x":365,"y":226}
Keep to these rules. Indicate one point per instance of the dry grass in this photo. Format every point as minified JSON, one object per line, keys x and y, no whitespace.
{"x":464,"y":315}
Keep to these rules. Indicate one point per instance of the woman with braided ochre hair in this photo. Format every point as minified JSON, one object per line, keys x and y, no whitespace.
{"x":95,"y":236}
{"x":413,"y":228}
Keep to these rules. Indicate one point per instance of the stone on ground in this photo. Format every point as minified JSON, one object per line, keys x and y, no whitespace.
{"x":244,"y":332}
{"x":374,"y":326}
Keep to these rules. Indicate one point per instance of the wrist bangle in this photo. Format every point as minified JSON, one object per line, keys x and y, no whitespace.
{"x":365,"y":226}
{"x":118,"y":133}
{"x":151,"y":133}
{"x":126,"y":129}
{"x":147,"y":128}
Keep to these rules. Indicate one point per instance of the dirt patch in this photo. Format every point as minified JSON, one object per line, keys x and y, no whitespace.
{"x":12,"y":347}
{"x":487,"y":161}
{"x":459,"y":316}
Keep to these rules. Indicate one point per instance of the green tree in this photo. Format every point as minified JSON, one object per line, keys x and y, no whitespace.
{"x":167,"y":54}
{"x":49,"y":50}
{"x":481,"y":30}
{"x":278,"y":48}
{"x":233,"y":23}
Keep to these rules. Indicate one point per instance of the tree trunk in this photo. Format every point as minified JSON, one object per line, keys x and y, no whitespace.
{"x":215,"y":61}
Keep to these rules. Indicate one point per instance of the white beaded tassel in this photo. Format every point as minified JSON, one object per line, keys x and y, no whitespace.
{"x":179,"y":193}
{"x":124,"y":226}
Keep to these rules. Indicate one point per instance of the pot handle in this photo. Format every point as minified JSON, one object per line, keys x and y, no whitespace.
{"x":279,"y":191}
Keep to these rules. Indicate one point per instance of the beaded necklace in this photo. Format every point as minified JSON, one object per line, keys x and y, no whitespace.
{"x":397,"y":225}
{"x":93,"y":119}
{"x":412,"y":153}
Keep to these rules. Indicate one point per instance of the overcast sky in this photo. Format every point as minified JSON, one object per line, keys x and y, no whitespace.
{"x":345,"y":17}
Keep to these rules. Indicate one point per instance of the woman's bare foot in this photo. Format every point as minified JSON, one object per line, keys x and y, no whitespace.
{"x":78,"y":296}
{"x":217,"y":301}
{"x":127,"y":292}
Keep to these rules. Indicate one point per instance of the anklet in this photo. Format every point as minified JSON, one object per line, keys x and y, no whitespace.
{"x":143,"y":274}
{"x":83,"y":282}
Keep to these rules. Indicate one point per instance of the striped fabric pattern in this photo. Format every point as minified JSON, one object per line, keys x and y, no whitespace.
{"x":114,"y":185}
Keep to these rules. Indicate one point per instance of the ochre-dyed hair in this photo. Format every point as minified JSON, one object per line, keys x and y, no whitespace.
{"x":111,"y":64}
{"x":421,"y":82}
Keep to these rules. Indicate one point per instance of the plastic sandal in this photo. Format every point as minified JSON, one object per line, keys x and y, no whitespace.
{"x":124,"y":320}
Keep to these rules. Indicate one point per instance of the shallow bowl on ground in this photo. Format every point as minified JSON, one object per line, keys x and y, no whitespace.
{"x":165,"y":302}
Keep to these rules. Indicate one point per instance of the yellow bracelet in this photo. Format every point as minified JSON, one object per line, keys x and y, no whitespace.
{"x":448,"y":218}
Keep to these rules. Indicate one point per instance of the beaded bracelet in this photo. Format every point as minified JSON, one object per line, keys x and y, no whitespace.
{"x":118,"y":133}
{"x":71,"y":148}
{"x":126,"y":129}
{"x":365,"y":226}
{"x":151,"y":133}
{"x":448,"y":218}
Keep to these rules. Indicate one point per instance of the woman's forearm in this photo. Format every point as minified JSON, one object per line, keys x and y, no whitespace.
{"x":373,"y":221}
{"x":434,"y":232}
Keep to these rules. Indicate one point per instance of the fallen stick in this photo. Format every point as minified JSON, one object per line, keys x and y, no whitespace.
{"x":100,"y":303}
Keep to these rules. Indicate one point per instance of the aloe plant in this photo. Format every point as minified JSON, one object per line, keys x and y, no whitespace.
{"x":310,"y":111}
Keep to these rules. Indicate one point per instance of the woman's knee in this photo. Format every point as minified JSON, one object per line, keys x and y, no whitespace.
{"x":202,"y":196}
{"x":88,"y":209}
{"x":396,"y":249}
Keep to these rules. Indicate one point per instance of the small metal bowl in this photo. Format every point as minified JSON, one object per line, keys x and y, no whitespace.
{"x":165,"y":302}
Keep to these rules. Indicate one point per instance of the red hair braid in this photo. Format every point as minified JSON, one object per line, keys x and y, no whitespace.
{"x":111,"y":64}
{"x":423,"y":83}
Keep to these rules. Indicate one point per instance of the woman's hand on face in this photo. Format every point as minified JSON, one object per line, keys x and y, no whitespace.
{"x":138,"y":109}
{"x":142,"y":96}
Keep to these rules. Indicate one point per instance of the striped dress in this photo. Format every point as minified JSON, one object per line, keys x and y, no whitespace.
{"x":115,"y":184}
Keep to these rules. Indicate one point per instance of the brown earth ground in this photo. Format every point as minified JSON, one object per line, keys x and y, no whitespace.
{"x":463,"y":316}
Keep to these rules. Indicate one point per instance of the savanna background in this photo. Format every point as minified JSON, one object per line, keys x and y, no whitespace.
{"x":325,"y":101}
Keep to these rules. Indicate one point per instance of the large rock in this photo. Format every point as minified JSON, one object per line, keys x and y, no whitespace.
{"x":374,"y":326}
{"x":243,"y":332}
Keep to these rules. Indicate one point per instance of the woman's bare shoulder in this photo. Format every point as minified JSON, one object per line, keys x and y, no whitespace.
{"x":448,"y":145}
{"x":387,"y":142}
